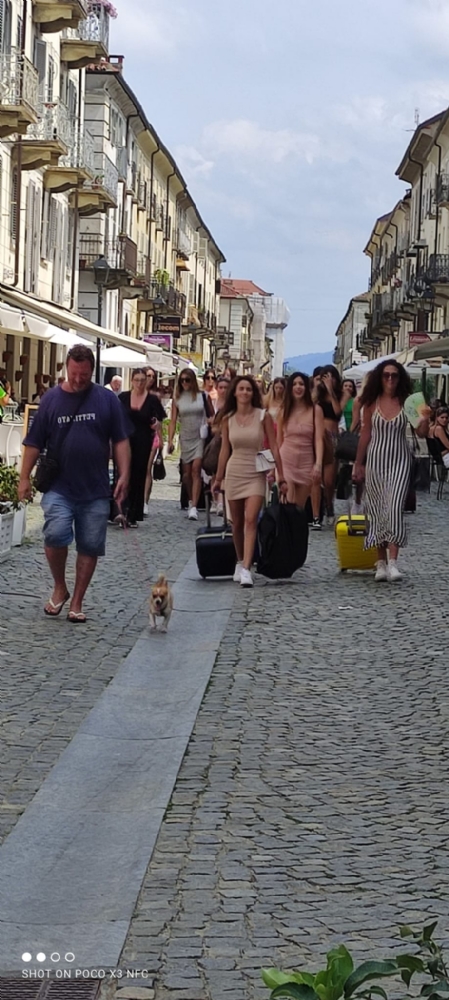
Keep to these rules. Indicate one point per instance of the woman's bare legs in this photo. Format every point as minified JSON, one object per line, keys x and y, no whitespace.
{"x":196,"y":481}
{"x":329,"y":480}
{"x":237,"y":509}
{"x":252,"y":511}
{"x":315,"y":495}
{"x":149,"y":479}
{"x":298,"y":494}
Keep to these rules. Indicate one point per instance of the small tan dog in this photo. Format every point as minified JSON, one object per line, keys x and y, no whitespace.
{"x":161,"y":604}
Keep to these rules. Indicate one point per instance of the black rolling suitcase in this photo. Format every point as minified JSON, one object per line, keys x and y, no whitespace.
{"x":215,"y":552}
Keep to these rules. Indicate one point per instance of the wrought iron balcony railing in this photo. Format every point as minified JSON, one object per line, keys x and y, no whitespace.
{"x":81,"y":153}
{"x":55,"y":123}
{"x":121,"y":253}
{"x":183,"y":242}
{"x":438,"y":268}
{"x":105,"y":175}
{"x":19,"y":81}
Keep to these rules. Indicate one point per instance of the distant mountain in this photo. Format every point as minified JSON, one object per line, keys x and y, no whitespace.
{"x":307,"y":362}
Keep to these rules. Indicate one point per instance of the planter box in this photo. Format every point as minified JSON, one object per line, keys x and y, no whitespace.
{"x":6,"y":527}
{"x":19,"y":525}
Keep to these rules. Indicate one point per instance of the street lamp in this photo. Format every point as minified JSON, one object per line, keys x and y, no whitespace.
{"x":101,"y":275}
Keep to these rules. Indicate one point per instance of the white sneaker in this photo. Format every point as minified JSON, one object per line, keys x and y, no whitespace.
{"x":246,"y":579}
{"x":145,"y":510}
{"x":193,"y":514}
{"x":393,"y":572}
{"x":219,"y":510}
{"x":381,"y":571}
{"x":238,"y":572}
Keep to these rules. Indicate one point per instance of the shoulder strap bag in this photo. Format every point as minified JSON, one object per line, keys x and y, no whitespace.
{"x":48,"y":468}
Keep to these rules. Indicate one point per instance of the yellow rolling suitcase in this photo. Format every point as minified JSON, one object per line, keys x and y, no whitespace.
{"x":350,"y":533}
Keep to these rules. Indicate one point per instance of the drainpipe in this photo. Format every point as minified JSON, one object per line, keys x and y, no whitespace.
{"x":122,"y":227}
{"x":150,"y":234}
{"x":437,"y":220}
{"x":19,"y":159}
{"x":167,"y":206}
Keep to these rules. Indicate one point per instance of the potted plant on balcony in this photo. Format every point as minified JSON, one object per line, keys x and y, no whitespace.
{"x":162,"y":277}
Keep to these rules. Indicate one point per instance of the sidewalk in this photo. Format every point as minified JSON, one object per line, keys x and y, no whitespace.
{"x":52,"y":672}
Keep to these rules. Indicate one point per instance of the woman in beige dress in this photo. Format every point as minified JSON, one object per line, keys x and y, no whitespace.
{"x":244,"y":425}
{"x":193,"y":411}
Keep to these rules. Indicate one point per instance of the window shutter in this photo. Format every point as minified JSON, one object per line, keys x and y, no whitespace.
{"x":52,"y":229}
{"x":13,"y":216}
{"x":196,"y":243}
{"x":45,"y":225}
{"x":191,"y":289}
{"x":202,"y":249}
{"x":31,"y":191}
{"x":40,"y":62}
{"x":72,"y":99}
{"x":7,"y":26}
{"x":37,"y":225}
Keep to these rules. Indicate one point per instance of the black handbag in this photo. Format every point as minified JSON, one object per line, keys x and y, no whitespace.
{"x":48,"y":468}
{"x":47,"y":471}
{"x":159,"y":472}
{"x":346,"y":447}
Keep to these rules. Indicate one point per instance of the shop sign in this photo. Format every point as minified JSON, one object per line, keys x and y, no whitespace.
{"x":167,"y":324}
{"x":416,"y":338}
{"x":164,"y":340}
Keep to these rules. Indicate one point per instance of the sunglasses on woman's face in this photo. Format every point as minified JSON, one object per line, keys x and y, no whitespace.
{"x":392,"y":375}
{"x":187,"y":380}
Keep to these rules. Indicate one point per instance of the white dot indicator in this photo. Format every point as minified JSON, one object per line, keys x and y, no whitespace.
{"x":70,"y":957}
{"x":40,"y":957}
{"x":55,"y":957}
{"x":26,"y":957}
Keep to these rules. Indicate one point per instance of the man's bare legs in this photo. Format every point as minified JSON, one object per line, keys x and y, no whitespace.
{"x":85,"y":568}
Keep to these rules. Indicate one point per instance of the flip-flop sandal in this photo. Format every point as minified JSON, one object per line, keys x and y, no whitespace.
{"x":56,"y":608}
{"x":77,"y":617}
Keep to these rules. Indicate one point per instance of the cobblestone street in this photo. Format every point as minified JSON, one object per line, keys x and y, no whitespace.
{"x":311,"y":805}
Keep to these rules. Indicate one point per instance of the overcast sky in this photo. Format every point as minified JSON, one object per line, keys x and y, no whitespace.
{"x":288,"y":120}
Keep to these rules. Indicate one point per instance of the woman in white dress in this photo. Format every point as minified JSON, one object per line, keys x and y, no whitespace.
{"x":193,"y":409}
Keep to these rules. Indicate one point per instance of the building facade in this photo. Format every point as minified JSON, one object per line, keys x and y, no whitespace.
{"x":84,"y":176}
{"x":264,"y":350}
{"x":347,"y":351}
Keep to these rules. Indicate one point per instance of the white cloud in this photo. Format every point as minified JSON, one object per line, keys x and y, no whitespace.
{"x":241,"y":137}
{"x":147,"y":28}
{"x":192,"y":162}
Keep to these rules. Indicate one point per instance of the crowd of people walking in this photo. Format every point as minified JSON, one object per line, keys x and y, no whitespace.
{"x":236,"y":442}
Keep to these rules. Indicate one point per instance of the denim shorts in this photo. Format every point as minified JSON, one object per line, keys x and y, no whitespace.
{"x":66,"y":519}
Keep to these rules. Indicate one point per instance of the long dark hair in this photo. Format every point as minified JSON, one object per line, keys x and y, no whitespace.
{"x":374,"y":385}
{"x":338,"y":385}
{"x":288,"y":402}
{"x":350,"y":381}
{"x":230,"y":405}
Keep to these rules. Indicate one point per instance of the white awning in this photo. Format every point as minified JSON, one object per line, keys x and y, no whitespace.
{"x":36,"y":310}
{"x":121,"y":357}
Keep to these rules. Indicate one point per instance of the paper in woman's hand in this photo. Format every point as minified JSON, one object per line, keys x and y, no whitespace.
{"x":414,"y":406}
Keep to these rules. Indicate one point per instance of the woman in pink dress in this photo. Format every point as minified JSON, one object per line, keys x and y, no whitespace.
{"x":300,"y":438}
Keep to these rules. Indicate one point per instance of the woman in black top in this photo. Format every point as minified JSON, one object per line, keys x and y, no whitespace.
{"x":145,"y":411}
{"x":332,"y":399}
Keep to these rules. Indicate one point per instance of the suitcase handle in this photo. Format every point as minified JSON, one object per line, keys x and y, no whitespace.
{"x":207,"y":498}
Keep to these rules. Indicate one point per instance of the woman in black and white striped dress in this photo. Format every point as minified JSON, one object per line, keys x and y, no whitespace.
{"x":383,"y":442}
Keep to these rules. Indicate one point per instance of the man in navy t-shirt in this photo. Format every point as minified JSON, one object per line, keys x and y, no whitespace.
{"x":76,"y":423}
